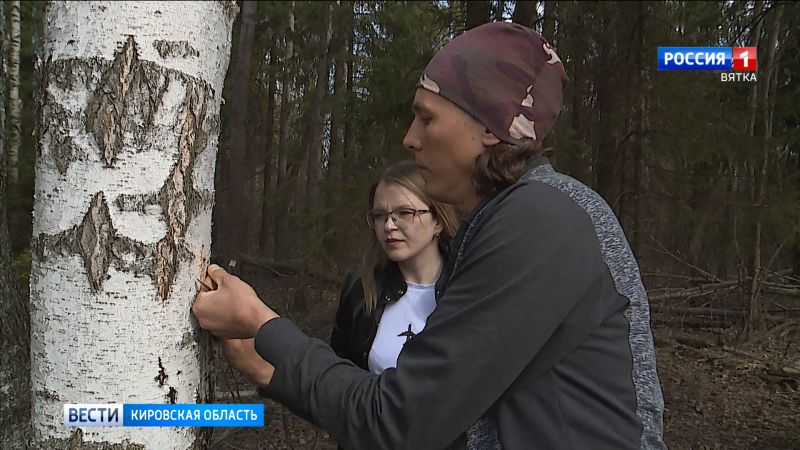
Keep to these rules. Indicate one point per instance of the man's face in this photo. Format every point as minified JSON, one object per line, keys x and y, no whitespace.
{"x":445,"y":141}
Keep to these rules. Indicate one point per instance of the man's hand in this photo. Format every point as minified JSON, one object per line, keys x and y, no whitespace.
{"x":241,"y":355}
{"x":232,"y":310}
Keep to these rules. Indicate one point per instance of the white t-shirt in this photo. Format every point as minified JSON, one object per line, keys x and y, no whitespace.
{"x":400,"y":321}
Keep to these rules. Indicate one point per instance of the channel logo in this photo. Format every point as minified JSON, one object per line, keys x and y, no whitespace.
{"x":739,"y":59}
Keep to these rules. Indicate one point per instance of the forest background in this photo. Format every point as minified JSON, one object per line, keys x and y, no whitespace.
{"x":704,"y":175}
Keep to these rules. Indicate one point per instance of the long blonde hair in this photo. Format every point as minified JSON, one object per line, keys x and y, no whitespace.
{"x":405,"y":174}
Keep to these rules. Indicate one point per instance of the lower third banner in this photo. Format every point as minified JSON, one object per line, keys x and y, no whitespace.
{"x":161,"y":415}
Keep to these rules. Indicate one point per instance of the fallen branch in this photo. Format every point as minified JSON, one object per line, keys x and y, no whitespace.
{"x":277,"y":267}
{"x":705,"y":289}
{"x":742,"y":353}
{"x":694,"y":322}
{"x":735,"y":312}
{"x":666,"y":251}
{"x":677,"y":276}
{"x":781,"y":289}
{"x":713,"y":288}
{"x":698,"y":311}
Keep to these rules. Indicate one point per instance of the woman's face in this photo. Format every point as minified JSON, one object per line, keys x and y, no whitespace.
{"x":405,"y":233}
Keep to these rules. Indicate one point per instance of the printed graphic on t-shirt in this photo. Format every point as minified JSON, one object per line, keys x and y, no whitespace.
{"x":408,"y":334}
{"x":400,"y":322}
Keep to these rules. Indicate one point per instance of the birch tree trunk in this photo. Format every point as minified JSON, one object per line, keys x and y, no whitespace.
{"x":14,"y":331}
{"x":548,"y":21}
{"x":13,"y":94}
{"x":122,"y":213}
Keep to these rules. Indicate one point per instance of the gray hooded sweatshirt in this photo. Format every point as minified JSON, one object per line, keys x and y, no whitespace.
{"x":540,"y":340}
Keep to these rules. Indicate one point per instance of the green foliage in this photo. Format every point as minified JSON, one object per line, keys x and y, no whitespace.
{"x":700,"y":161}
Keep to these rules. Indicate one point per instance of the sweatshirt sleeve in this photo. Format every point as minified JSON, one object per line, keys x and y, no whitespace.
{"x":528,"y":265}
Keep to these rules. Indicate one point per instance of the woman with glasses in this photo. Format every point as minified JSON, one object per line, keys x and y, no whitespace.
{"x":387,"y":302}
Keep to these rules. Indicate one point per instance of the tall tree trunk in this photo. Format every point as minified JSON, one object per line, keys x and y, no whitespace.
{"x":754,"y":314}
{"x":499,"y":11}
{"x":122,"y":216}
{"x":14,"y":341}
{"x":349,"y":149}
{"x":266,"y":231}
{"x":316,"y":123}
{"x":458,"y":10}
{"x":14,"y":107}
{"x":340,"y":56}
{"x":15,"y":409}
{"x":755,"y":38}
{"x":549,"y":21}
{"x":239,"y":171}
{"x":632,"y":153}
{"x":524,"y":13}
{"x":576,"y":163}
{"x":281,"y":233}
{"x":606,"y":155}
{"x":478,"y":13}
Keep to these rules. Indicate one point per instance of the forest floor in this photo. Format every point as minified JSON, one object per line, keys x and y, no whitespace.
{"x":719,"y":395}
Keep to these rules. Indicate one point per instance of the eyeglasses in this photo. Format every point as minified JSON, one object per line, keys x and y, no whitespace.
{"x":401,"y":217}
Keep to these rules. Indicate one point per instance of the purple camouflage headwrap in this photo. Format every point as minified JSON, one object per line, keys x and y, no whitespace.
{"x":504,"y":75}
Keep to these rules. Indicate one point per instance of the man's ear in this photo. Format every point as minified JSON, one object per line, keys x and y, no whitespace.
{"x":488,"y":138}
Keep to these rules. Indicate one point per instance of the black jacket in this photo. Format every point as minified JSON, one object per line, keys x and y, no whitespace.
{"x":354,"y":329}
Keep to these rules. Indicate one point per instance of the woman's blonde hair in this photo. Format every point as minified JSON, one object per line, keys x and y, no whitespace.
{"x":405,"y":174}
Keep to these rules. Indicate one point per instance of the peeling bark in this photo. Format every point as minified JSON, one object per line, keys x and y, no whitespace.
{"x":175,"y":49}
{"x":129,"y":123}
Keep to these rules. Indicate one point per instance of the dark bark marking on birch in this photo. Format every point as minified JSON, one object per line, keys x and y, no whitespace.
{"x":162,"y":376}
{"x":75,"y":442}
{"x":175,"y":49}
{"x":179,"y":200}
{"x":126,"y":94}
{"x":99,"y":245}
{"x":48,"y":394}
{"x":137,"y":202}
{"x":64,"y":75}
{"x":107,"y":112}
{"x":95,"y":235}
{"x":172,"y":395}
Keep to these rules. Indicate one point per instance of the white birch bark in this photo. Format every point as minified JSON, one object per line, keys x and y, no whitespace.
{"x":122,"y":213}
{"x":13,"y":93}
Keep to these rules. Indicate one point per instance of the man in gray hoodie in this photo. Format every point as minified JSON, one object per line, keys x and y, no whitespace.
{"x":541,"y":335}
